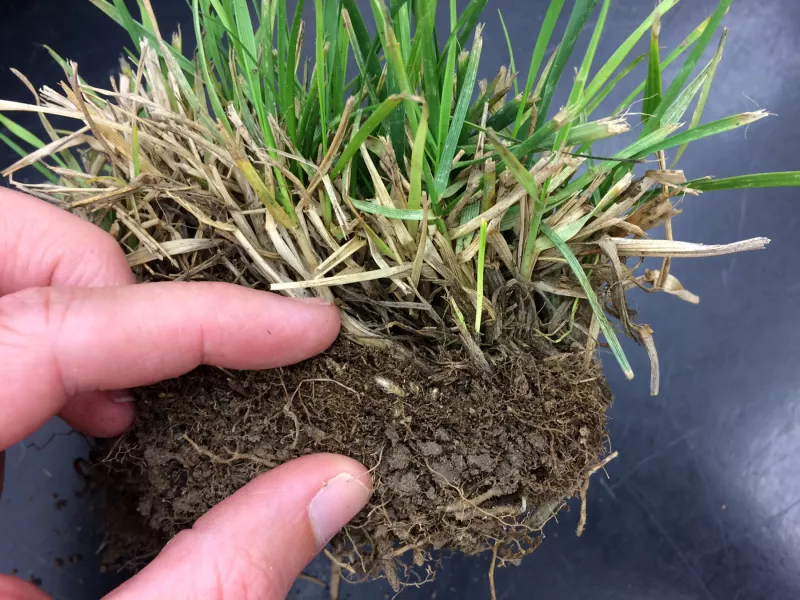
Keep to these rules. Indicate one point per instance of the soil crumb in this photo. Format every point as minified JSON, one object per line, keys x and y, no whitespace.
{"x":461,"y":459}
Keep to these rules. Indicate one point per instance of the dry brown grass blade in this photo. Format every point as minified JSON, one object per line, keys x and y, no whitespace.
{"x":70,"y":141}
{"x":673,"y":249}
{"x":327,"y":161}
{"x":142,"y":256}
{"x":344,"y":279}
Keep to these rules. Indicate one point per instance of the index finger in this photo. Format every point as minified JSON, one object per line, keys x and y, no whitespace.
{"x":58,"y":342}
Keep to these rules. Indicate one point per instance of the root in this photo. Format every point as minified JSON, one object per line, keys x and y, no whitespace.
{"x":335,"y":561}
{"x":464,"y":461}
{"x":492,"y":589}
{"x":336,"y":580}
{"x":235,"y":456}
{"x":312,"y":579}
{"x":585,"y":489}
{"x":582,"y":521}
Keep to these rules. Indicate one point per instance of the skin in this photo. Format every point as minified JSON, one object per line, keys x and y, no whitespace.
{"x":76,"y":332}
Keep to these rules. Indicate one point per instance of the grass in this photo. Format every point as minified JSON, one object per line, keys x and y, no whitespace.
{"x":406,"y":190}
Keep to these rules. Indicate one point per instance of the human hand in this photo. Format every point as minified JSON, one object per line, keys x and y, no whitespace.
{"x":75,"y":333}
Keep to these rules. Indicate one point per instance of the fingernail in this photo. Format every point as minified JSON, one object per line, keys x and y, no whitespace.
{"x":335,"y":504}
{"x":314,"y":300}
{"x":121,"y":397}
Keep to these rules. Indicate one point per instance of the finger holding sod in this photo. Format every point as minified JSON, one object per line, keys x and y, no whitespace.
{"x":59,"y":342}
{"x":42,"y":246}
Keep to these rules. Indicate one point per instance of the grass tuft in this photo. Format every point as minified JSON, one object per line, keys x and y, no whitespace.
{"x":406,"y":190}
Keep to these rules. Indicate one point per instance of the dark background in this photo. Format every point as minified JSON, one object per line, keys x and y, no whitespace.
{"x":704,"y":500}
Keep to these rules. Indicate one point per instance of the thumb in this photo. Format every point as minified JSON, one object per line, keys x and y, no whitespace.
{"x":255,"y":543}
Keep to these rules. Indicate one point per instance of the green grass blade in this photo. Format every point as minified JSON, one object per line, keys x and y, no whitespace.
{"x":672,"y":57}
{"x":462,"y":28}
{"x":403,"y":31}
{"x":581,"y":12}
{"x":28,"y":137}
{"x":364,"y":40}
{"x":214,"y":45}
{"x":652,"y":88}
{"x":446,"y":105}
{"x":713,"y":128}
{"x":397,"y":67}
{"x":616,"y":59}
{"x":469,"y":20}
{"x":319,"y":70}
{"x":417,"y":159}
{"x":688,"y":66}
{"x":674,"y":113}
{"x":335,"y":73}
{"x":402,"y":214}
{"x":121,"y":15}
{"x":361,"y":62}
{"x":576,"y":96}
{"x":512,"y":64}
{"x":701,"y":102}
{"x":426,"y":26}
{"x":460,"y":114}
{"x":526,"y":180}
{"x":542,"y":40}
{"x":605,"y":326}
{"x":137,"y":169}
{"x":374,"y":120}
{"x":745,"y":182}
{"x":479,"y":284}
{"x":640,"y":147}
{"x":211,"y":90}
{"x":340,"y":70}
{"x":285,"y":72}
{"x":611,"y":85}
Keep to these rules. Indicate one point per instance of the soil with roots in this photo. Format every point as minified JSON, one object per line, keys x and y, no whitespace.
{"x":462,"y":459}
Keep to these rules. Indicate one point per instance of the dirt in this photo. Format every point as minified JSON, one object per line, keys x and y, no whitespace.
{"x":462,"y":459}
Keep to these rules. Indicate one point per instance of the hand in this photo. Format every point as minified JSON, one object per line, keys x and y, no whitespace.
{"x":75,"y":333}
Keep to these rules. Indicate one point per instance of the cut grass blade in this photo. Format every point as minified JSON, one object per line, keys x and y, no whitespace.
{"x":605,"y":326}
{"x":746,"y":182}
{"x":713,"y":128}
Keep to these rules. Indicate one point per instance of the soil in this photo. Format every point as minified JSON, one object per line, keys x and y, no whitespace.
{"x":462,"y":459}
